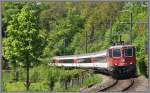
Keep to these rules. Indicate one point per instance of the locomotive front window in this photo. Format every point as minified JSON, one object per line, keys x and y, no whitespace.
{"x":116,"y":53}
{"x":128,"y":51}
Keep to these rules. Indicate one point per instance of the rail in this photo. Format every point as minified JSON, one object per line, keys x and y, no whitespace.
{"x":119,"y":86}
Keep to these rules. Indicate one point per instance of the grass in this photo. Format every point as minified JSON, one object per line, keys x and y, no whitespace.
{"x":15,"y":86}
{"x":42,"y":76}
{"x":92,"y":79}
{"x":7,"y":76}
{"x":42,"y":86}
{"x":19,"y":86}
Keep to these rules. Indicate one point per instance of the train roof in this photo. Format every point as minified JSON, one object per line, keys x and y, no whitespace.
{"x":88,"y":55}
{"x":120,"y":46}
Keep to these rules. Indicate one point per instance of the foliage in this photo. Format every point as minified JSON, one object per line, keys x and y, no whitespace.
{"x":92,"y":79}
{"x":17,"y":86}
{"x":7,"y":76}
{"x":57,"y":76}
{"x":143,"y":67}
{"x":22,"y":35}
{"x":35,"y":75}
{"x":39,"y":86}
{"x":20,"y":44}
{"x":58,"y":87}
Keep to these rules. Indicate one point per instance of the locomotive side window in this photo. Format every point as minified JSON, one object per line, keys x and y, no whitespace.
{"x":128,"y":52}
{"x":116,"y":53}
{"x":110,"y":53}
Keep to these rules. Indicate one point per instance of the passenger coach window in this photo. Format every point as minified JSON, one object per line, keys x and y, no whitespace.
{"x":81,"y":60}
{"x":85,"y":60}
{"x":116,"y":53}
{"x":98,"y":58}
{"x":88,"y":60}
{"x":128,"y":52}
{"x":67,"y":61}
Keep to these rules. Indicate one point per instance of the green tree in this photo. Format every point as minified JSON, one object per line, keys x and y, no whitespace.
{"x":23,"y":44}
{"x":61,"y":37}
{"x":9,"y":10}
{"x":50,"y":15}
{"x":96,"y":26}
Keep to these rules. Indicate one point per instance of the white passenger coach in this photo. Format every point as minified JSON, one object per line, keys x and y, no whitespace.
{"x":90,"y":60}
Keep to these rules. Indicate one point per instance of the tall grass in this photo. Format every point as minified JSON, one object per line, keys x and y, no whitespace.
{"x":45,"y":78}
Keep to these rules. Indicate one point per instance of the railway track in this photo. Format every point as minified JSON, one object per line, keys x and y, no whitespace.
{"x":107,"y":81}
{"x":118,"y":86}
{"x":111,"y":85}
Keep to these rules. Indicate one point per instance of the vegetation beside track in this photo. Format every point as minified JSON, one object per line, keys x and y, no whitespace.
{"x":44,"y":78}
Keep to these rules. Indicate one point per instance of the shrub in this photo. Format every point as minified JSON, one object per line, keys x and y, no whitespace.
{"x":35,"y":75}
{"x":7,"y":76}
{"x":91,"y":80}
{"x":22,"y":74}
{"x":143,"y":67}
{"x":40,"y":86}
{"x":17,"y":86}
{"x":58,"y":87}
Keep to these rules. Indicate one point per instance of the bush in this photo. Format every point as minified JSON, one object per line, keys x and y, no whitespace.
{"x":44,"y":78}
{"x":35,"y":75}
{"x":74,"y":89}
{"x":7,"y":76}
{"x":17,"y":86}
{"x":58,"y":87}
{"x":91,"y":80}
{"x":143,"y":67}
{"x":40,"y":86}
{"x":22,"y":74}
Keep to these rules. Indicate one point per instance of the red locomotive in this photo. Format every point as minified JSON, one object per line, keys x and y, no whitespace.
{"x":121,"y":60}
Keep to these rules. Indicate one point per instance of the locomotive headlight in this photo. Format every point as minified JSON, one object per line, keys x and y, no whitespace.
{"x":122,"y":60}
{"x":130,"y":62}
{"x":115,"y":64}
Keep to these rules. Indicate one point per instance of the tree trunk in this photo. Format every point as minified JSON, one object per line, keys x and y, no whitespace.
{"x":27,"y":78}
{"x":16,"y":74}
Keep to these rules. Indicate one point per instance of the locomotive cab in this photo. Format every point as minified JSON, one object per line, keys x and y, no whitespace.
{"x":121,"y":60}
